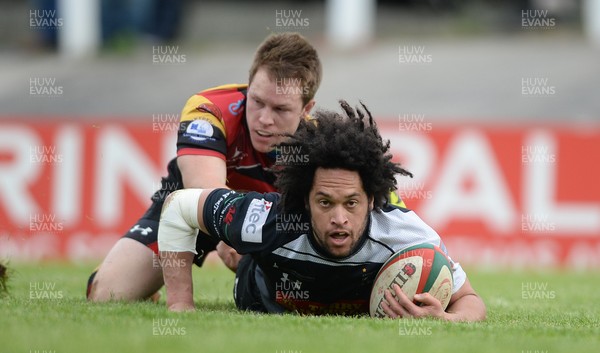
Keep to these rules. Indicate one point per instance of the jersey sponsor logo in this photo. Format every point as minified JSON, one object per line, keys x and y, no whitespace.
{"x":229,"y":216}
{"x":255,"y":219}
{"x":137,"y":228}
{"x":288,"y":290}
{"x":199,"y":130}
{"x":218,"y":215}
{"x":237,"y":156}
{"x":235,"y":107}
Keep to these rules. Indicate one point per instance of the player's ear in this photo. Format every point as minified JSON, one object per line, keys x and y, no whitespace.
{"x":308,"y":107}
{"x":371,"y":203}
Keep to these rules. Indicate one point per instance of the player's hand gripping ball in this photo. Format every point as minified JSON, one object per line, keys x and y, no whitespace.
{"x":417,"y":269}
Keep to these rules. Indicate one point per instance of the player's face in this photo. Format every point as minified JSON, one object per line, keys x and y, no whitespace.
{"x":274,"y":107}
{"x":339,"y":209}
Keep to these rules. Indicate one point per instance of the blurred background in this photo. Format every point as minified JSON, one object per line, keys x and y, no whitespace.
{"x":493,"y":104}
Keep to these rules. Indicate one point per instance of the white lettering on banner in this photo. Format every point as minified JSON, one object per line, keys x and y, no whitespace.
{"x":51,"y":177}
{"x":67,"y":181}
{"x":469,"y":157}
{"x":119,"y":159}
{"x":16,"y":176}
{"x":539,"y":193}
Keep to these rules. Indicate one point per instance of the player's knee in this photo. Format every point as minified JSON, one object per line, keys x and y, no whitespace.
{"x":97,"y":291}
{"x":92,"y":289}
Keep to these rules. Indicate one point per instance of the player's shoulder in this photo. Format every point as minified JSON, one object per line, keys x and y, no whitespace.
{"x":395,"y":205}
{"x":223,"y":102}
{"x":230,"y":87}
{"x":393,"y":222}
{"x":229,"y":99}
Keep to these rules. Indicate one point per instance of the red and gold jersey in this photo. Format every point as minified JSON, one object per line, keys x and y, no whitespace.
{"x":213,"y":123}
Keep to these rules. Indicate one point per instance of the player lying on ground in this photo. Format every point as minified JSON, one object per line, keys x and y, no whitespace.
{"x":316,"y":247}
{"x":225,"y":140}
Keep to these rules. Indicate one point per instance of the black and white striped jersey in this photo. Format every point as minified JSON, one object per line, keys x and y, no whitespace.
{"x":297,"y":274}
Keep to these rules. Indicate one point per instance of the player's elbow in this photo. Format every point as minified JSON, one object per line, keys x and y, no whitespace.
{"x":178,"y":226}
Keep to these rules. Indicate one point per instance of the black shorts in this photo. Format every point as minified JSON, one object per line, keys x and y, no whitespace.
{"x":145,"y":229}
{"x":247,"y":288}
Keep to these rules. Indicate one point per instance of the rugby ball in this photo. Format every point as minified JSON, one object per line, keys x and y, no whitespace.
{"x":417,"y":269}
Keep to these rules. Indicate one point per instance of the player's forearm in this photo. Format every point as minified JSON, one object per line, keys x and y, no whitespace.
{"x":467,"y":308}
{"x":177,"y":274}
{"x":177,"y":233}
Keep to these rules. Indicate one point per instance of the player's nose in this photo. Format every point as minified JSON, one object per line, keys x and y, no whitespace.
{"x":338,"y":216}
{"x":266,"y":117}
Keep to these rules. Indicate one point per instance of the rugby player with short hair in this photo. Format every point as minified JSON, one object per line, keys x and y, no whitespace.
{"x":316,"y":247}
{"x":225,"y":140}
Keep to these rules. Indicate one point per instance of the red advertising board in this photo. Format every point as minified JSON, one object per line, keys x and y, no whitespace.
{"x":498,"y":195}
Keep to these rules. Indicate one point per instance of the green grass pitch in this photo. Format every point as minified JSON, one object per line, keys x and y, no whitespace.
{"x":528,"y":312}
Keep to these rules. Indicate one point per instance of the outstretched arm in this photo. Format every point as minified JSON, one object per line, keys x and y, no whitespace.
{"x":180,"y":220}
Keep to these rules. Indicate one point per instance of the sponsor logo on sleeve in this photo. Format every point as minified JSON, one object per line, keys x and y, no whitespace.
{"x":143,"y":231}
{"x":199,"y":130}
{"x":235,"y":107}
{"x":255,"y":219}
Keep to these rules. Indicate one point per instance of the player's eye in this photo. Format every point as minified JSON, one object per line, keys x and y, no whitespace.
{"x":324,"y":203}
{"x":352,"y":203}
